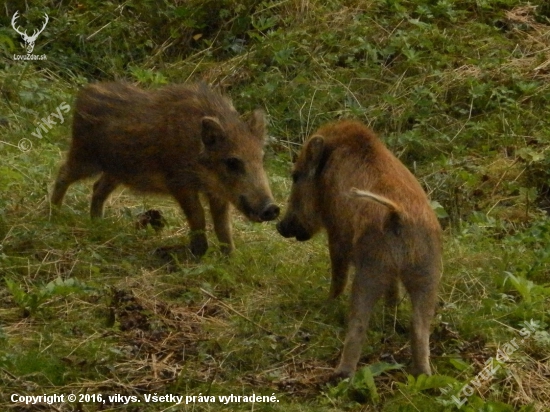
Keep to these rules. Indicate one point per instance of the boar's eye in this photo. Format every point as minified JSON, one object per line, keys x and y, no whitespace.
{"x":295,"y":177}
{"x":234,"y":165}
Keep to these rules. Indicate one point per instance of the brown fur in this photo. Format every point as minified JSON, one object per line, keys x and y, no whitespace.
{"x":179,"y":140}
{"x":388,"y":231}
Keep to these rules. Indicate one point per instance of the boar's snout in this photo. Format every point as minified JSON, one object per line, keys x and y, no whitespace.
{"x":282,"y":228}
{"x":289,"y":228}
{"x":268,"y":211}
{"x":271,"y":212}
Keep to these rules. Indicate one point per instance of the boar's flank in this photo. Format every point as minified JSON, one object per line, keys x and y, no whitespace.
{"x":387,"y":230}
{"x":179,"y":140}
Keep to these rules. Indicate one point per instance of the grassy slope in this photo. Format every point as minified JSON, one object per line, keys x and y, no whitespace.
{"x":458,"y":89}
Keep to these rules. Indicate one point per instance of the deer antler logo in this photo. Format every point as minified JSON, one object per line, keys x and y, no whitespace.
{"x":29,"y":40}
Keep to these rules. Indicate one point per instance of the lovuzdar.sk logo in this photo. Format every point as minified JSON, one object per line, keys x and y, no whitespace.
{"x":28,"y":39}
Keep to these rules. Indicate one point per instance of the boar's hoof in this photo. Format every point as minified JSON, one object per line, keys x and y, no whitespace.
{"x":226,"y":249}
{"x":198,"y":245}
{"x":338,"y":375}
{"x":421,"y":370}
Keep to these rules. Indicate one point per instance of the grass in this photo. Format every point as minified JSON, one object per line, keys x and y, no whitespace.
{"x":459,"y":90}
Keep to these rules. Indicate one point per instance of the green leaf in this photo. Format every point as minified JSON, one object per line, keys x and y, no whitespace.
{"x":459,"y":364}
{"x":364,"y":379}
{"x":440,"y":212}
{"x":423,"y":382}
{"x":381,"y":367}
{"x":526,"y":288}
{"x":18,"y":294}
{"x":530,"y":155}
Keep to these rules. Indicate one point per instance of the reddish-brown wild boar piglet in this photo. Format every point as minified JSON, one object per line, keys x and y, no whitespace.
{"x":180,"y":140}
{"x":386,"y":230}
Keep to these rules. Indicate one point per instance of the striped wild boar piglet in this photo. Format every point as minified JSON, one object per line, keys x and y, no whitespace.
{"x":387,"y":230}
{"x":179,"y":140}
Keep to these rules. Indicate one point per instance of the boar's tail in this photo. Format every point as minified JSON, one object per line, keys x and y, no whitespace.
{"x":390,"y":204}
{"x":396,"y":215}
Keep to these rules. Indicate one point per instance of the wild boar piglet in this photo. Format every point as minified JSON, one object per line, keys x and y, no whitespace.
{"x":179,"y":140}
{"x":378,"y":219}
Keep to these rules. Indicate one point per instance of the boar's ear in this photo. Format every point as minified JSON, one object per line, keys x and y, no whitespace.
{"x":212,"y":131}
{"x":314,"y":152}
{"x":256,"y":123}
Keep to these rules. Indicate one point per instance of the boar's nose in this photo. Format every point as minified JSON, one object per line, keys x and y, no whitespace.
{"x":270,"y":212}
{"x":281,"y":228}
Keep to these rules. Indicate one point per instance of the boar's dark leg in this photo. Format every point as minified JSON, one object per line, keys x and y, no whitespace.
{"x":69,"y":173}
{"x":368,"y":286}
{"x":190,"y":203}
{"x":340,"y":251}
{"x":422,"y":288}
{"x":102,"y":189}
{"x":222,"y":224}
{"x":62,"y":183}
